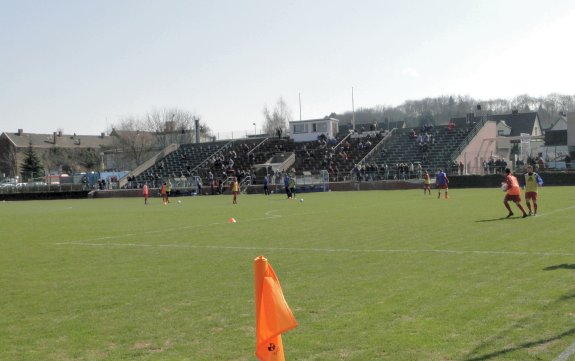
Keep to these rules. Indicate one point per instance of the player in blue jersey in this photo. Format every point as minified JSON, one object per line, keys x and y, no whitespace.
{"x":441,"y":182}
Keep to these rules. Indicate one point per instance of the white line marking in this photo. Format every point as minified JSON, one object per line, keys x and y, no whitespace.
{"x":555,"y":211}
{"x":328,"y":250}
{"x":567,"y":353}
{"x":267,"y":216}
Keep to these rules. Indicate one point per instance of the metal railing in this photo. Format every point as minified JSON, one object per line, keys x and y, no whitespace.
{"x":202,"y":164}
{"x":377,"y":146}
{"x":21,"y":188}
{"x":472,"y":133}
{"x":147,"y":164}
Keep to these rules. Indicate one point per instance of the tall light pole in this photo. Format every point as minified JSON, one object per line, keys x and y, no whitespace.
{"x":299,"y":97}
{"x":352,"y":111}
{"x":254,"y":124}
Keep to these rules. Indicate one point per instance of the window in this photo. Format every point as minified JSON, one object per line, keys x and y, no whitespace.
{"x":299,"y":128}
{"x":320,"y":127}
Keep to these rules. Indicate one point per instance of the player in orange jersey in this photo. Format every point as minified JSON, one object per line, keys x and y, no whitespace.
{"x":513,"y":193}
{"x":146,"y":193}
{"x":164,"y":194}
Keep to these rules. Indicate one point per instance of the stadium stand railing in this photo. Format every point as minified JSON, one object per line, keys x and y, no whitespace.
{"x":147,"y":164}
{"x":472,"y":133}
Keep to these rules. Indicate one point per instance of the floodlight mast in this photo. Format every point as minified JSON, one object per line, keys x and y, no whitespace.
{"x":352,"y":111}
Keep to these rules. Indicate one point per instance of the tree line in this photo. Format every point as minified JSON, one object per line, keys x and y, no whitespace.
{"x":441,"y":109}
{"x":139,"y":135}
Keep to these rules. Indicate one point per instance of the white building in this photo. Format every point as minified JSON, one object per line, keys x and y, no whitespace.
{"x":309,"y":130}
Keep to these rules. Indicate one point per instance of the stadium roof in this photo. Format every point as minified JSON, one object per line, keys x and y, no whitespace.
{"x":57,"y":139}
{"x":519,"y":122}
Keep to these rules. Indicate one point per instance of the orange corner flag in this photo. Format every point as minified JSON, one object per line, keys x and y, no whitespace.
{"x":273,"y":315}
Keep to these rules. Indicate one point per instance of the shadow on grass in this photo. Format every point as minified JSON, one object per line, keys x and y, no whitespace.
{"x":519,"y":324}
{"x":521,"y":346}
{"x":496,"y":219}
{"x":560,"y":266}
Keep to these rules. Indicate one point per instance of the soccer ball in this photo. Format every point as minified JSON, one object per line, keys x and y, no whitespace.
{"x":301,"y":200}
{"x":179,"y":201}
{"x":504,"y":187}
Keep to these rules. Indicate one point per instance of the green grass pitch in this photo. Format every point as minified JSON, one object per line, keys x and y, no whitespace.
{"x":375,"y":275}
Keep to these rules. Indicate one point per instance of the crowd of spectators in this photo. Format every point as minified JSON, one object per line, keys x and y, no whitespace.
{"x":494,"y":166}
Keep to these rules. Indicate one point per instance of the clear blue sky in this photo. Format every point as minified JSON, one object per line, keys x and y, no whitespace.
{"x":80,"y":65}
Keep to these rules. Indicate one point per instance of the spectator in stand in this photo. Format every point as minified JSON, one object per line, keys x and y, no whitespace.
{"x":567,"y":161}
{"x":541,"y":163}
{"x":266,"y":186}
{"x":221,"y":186}
{"x":385,"y":170}
{"x":450,"y":126}
{"x":461,"y":168}
{"x":355,"y":173}
{"x":402,"y":171}
{"x":199,"y":186}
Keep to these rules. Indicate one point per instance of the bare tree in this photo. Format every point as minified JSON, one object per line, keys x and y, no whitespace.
{"x":159,"y":128}
{"x":171,"y":126}
{"x":276,"y":120}
{"x":134,"y":140}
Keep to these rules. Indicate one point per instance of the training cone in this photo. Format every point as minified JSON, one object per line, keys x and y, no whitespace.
{"x":232,"y":220}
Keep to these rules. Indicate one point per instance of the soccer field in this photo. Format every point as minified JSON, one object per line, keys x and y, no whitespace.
{"x":375,"y":275}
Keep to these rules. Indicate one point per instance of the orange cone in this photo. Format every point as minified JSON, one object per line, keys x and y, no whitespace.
{"x":232,"y":220}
